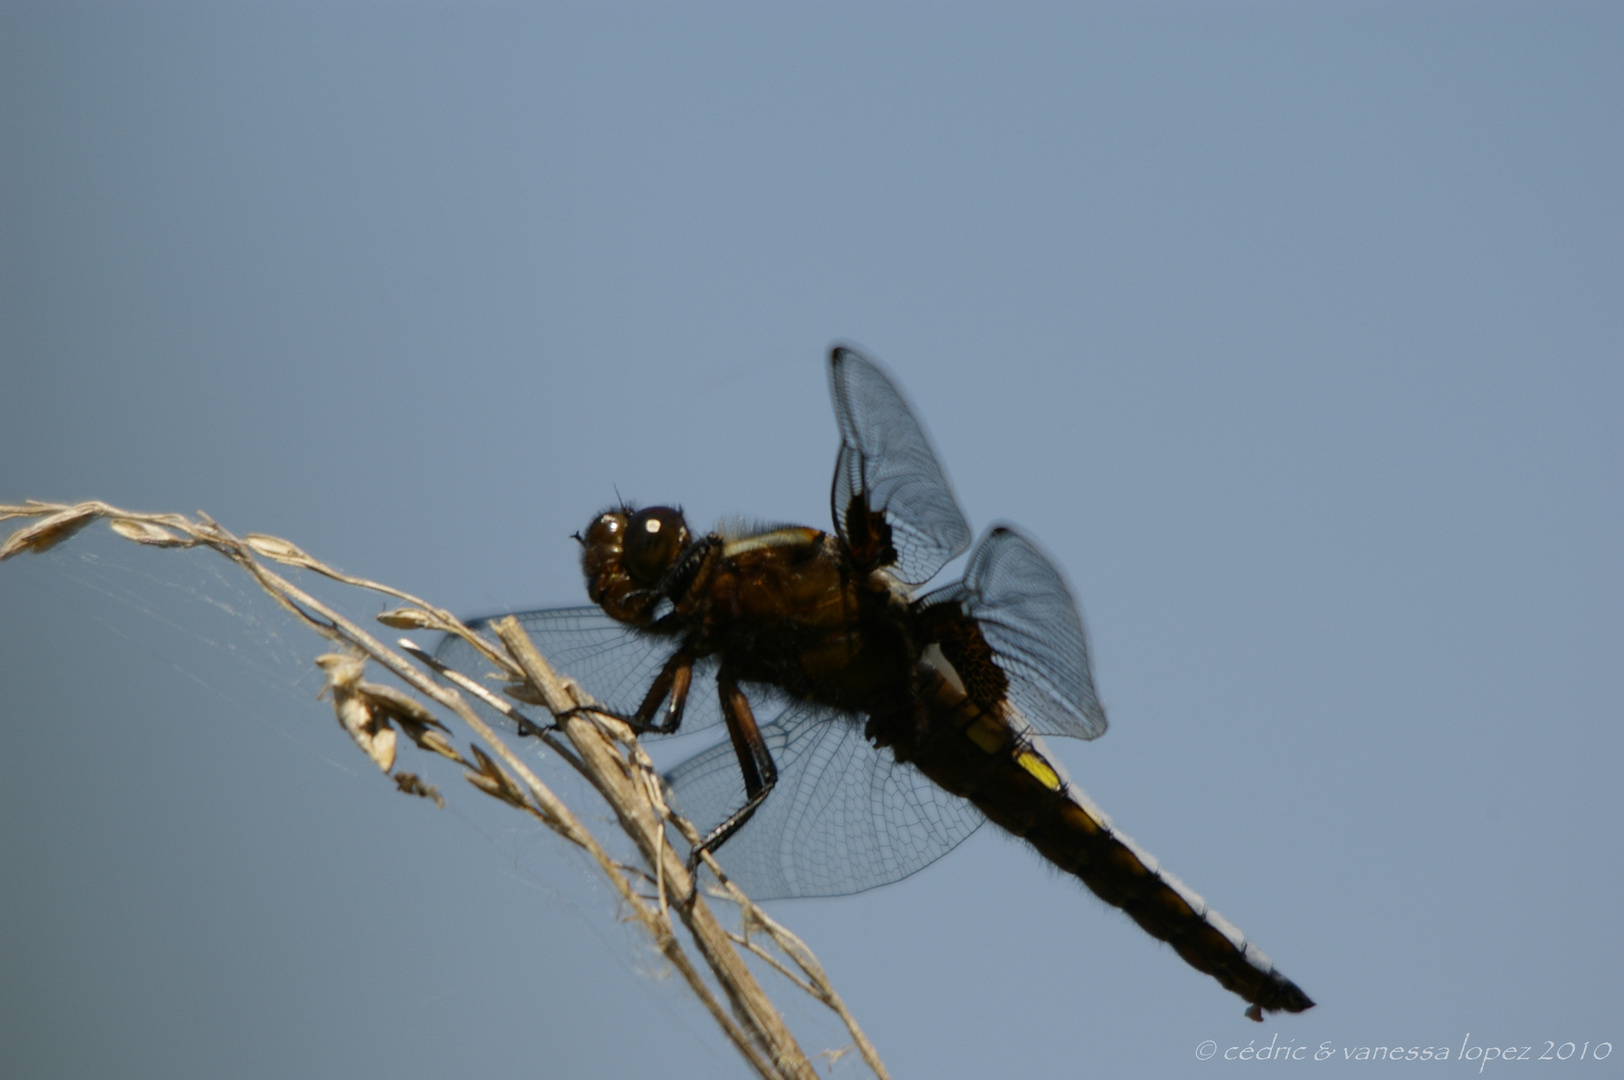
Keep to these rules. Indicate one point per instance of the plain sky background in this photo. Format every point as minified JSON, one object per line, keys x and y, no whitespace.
{"x":1294,"y":332}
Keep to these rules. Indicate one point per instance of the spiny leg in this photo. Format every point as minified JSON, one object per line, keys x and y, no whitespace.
{"x":755,"y":764}
{"x":673,"y":682}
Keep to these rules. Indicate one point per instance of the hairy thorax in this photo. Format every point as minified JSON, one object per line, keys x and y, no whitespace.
{"x":783,"y":607}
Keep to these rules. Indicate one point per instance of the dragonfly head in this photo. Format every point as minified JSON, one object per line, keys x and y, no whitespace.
{"x":626,"y":554}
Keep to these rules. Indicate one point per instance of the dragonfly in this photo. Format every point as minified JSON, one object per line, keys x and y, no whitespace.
{"x":873,"y":723}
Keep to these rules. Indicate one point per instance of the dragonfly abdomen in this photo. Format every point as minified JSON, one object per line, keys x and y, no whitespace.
{"x":1007,"y":776}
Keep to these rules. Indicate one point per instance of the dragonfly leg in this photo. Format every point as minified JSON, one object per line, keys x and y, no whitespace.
{"x":755,"y":763}
{"x":670,"y":685}
{"x":528,"y":728}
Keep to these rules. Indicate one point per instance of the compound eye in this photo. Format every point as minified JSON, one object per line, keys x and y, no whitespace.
{"x":605,"y":531}
{"x":654,"y":539}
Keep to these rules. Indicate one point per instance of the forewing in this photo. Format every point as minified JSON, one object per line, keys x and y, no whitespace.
{"x":612,"y":661}
{"x":1028,"y":617}
{"x":887,"y":475}
{"x":844,"y":816}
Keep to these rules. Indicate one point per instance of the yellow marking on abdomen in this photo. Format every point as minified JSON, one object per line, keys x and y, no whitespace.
{"x":1034,"y":764}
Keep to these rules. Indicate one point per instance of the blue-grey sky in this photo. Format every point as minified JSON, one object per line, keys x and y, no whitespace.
{"x":1295,"y":333}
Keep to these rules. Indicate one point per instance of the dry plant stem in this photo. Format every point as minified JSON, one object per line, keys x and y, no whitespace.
{"x":816,"y":982}
{"x":745,"y":941}
{"x":631,"y":787}
{"x":558,"y":697}
{"x":824,"y":990}
{"x":470,"y":686}
{"x":655,"y":922}
{"x":614,"y":778}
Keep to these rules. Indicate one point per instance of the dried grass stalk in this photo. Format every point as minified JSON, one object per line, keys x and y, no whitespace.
{"x":596,"y":744}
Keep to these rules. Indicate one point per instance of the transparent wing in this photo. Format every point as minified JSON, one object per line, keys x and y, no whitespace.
{"x":1023,"y":608}
{"x":886,"y":464}
{"x":612,"y":661}
{"x":844,"y":817}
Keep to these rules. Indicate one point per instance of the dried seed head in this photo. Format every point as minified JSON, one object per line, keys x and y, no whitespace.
{"x":274,"y":547}
{"x":343,"y":670}
{"x":493,"y":780}
{"x":411,"y":784}
{"x":370,"y":731}
{"x":420,"y":725}
{"x":436,"y":743}
{"x":145,"y":532}
{"x":368,"y":727}
{"x":409,"y":618}
{"x":398,"y":705}
{"x":45,"y":534}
